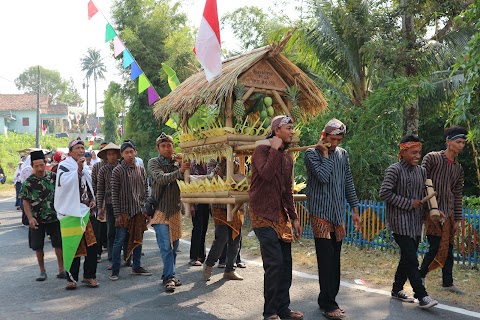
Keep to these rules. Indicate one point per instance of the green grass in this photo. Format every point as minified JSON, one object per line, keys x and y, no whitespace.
{"x":9,"y":146}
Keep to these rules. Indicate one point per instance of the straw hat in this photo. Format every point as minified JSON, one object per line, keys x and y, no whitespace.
{"x":102,"y":154}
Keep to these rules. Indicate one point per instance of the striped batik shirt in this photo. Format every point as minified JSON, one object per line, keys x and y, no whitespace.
{"x":401,"y":185}
{"x":104,"y":191}
{"x":95,"y":170}
{"x":129,"y":189}
{"x":164,"y":174}
{"x":329,"y":184}
{"x":447,"y":177}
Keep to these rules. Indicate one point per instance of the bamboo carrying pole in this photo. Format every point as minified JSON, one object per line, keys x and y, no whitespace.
{"x":260,"y":142}
{"x":187,"y":206}
{"x":432,"y":202}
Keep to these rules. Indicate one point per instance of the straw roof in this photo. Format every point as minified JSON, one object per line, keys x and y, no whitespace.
{"x":196,"y":90}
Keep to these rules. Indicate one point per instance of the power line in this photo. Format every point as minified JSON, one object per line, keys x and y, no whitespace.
{"x":7,"y":79}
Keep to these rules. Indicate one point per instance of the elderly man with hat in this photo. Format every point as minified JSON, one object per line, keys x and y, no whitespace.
{"x":74,"y":201}
{"x":273,"y":214}
{"x":329,"y":184}
{"x":110,"y":154}
{"x":129,"y":191}
{"x":37,"y":194}
{"x":165,"y":170}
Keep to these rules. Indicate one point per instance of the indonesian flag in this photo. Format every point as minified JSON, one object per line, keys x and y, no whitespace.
{"x":207,"y":49}
{"x":95,"y":132}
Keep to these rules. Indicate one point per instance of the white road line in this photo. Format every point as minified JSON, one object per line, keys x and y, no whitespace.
{"x":359,"y":287}
{"x":7,"y":199}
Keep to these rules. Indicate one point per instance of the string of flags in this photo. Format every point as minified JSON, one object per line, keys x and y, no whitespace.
{"x":128,"y":60}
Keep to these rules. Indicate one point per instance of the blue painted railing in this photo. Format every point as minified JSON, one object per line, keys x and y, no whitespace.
{"x":373,"y":233}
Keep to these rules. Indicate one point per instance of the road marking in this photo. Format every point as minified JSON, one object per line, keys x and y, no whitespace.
{"x":358,"y":287}
{"x":7,"y":199}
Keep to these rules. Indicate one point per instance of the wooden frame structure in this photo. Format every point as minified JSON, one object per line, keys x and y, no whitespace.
{"x":264,"y":70}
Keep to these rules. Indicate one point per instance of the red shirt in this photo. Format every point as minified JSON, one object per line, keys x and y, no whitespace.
{"x":271,"y":187}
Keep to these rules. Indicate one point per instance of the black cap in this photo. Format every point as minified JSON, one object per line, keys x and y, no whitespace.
{"x":37,"y":155}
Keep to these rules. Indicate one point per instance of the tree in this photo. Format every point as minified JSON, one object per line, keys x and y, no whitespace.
{"x":93,"y":64}
{"x":467,"y":103}
{"x":249,"y":25}
{"x":154,"y":32}
{"x":71,"y":96}
{"x":113,"y":105}
{"x":51,"y":83}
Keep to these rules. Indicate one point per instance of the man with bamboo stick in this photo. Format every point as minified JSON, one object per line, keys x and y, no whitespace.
{"x":447,"y":177}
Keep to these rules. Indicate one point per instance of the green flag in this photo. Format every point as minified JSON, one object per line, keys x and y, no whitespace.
{"x":173,"y":81}
{"x":109,"y":33}
{"x":72,"y":229}
{"x":143,"y":83}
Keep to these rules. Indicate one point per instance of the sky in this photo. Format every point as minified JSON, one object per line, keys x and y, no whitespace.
{"x":57,"y":33}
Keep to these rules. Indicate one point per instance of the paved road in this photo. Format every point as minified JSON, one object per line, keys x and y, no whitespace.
{"x":137,"y":297}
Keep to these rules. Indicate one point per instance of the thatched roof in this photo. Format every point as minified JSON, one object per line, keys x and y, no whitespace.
{"x":196,"y":90}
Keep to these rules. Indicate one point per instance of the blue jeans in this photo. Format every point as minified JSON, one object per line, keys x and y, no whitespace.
{"x":168,"y":254}
{"x":120,"y":235}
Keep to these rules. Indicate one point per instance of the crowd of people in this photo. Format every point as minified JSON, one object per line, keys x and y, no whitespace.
{"x":121,"y":199}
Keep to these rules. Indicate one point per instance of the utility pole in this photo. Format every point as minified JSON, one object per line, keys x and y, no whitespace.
{"x":37,"y":140}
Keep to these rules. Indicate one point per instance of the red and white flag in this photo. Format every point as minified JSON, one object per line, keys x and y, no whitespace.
{"x":95,"y":132}
{"x":207,"y":49}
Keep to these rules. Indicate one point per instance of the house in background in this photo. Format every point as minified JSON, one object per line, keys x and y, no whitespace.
{"x":18,"y":113}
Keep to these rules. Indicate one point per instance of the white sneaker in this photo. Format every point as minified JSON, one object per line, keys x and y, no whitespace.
{"x":427,"y":302}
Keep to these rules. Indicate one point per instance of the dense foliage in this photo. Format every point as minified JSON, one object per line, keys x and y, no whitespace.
{"x":154,"y":32}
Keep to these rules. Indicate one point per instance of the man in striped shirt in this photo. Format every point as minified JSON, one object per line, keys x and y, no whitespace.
{"x":164,"y":171}
{"x":109,"y":155}
{"x":447,"y":178}
{"x":129,"y":191}
{"x":329,"y":183}
{"x":402,"y":189}
{"x":99,"y":222}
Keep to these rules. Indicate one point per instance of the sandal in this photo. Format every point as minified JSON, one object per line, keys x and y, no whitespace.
{"x":170,"y":285}
{"x":92,"y":283}
{"x":178,"y":283}
{"x":195,"y":263}
{"x":241,"y":265}
{"x":71,"y":285}
{"x":334,"y":314}
{"x":272,"y":317}
{"x":292,"y":315}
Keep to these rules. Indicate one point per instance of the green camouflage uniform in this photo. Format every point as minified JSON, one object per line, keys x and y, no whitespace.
{"x":39,"y":192}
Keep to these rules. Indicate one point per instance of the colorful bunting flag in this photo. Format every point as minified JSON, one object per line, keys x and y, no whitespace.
{"x":109,"y":33}
{"x":118,"y":46}
{"x":152,"y":95}
{"x":127,"y":58}
{"x":143,"y":83}
{"x":173,"y":81}
{"x":72,"y":229}
{"x":208,"y":50}
{"x":135,"y":71}
{"x":92,"y":9}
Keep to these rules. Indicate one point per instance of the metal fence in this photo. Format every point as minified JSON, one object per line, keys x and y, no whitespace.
{"x":373,"y":233}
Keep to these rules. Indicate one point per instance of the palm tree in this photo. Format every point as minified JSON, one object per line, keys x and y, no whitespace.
{"x":93,"y":64}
